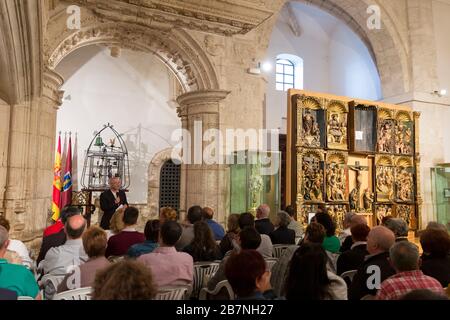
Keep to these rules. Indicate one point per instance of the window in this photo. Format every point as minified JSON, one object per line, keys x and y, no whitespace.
{"x":285,"y":75}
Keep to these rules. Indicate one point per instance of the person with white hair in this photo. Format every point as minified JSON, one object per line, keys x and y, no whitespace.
{"x":15,"y":277}
{"x":399,"y":227}
{"x":263,"y":224}
{"x":405,"y":259}
{"x":282,"y":234}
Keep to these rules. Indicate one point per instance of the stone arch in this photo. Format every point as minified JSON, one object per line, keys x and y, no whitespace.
{"x":154,"y":173}
{"x":174,"y":47}
{"x":388,"y":48}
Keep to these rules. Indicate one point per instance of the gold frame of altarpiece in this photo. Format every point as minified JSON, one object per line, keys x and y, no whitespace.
{"x":324,"y":166}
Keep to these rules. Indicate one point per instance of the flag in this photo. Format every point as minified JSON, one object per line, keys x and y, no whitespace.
{"x":66,"y":198}
{"x":75,"y":165}
{"x":56,"y":200}
{"x":64,"y":156}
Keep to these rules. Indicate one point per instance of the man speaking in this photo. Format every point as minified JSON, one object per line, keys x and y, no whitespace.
{"x":111,"y":200}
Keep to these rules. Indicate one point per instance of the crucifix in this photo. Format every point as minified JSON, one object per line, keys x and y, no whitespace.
{"x":355,"y":195}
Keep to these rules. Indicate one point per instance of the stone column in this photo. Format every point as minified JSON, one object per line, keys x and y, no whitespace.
{"x":27,"y":199}
{"x":202,"y":184}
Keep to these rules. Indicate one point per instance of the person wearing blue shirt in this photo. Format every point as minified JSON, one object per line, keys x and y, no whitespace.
{"x":217,"y":229}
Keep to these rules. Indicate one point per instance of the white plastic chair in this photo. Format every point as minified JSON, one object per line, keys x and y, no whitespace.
{"x":349,"y":274}
{"x":172,"y":293}
{"x":75,"y":294}
{"x":24,"y":298}
{"x":204,"y":292}
{"x":49,"y":283}
{"x":278,"y":250}
{"x":270,"y":263}
{"x":203,"y":271}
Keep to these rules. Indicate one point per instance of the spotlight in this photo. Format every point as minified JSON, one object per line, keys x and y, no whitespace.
{"x":266,"y":66}
{"x":440,"y":93}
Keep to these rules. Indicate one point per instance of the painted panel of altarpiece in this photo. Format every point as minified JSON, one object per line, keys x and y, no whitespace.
{"x":337,"y":123}
{"x":404,"y":180}
{"x":363,"y":123}
{"x":404,"y":133}
{"x":311,"y":120}
{"x":384,"y":178}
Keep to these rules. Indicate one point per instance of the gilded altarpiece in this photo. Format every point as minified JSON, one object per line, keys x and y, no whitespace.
{"x":352,"y":155}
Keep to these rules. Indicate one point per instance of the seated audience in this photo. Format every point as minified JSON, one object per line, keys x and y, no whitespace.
{"x":56,"y":227}
{"x":348,"y":241}
{"x":436,"y":255}
{"x":379,"y":241}
{"x":116,"y":224}
{"x":59,"y":260}
{"x":59,"y":238}
{"x":405,"y":259}
{"x":423,"y":295}
{"x":309,"y":279}
{"x":436,"y":225}
{"x":331,"y":243}
{"x":249,"y":239}
{"x":354,"y":258}
{"x":17,"y":246}
{"x":347,"y":226}
{"x":194,"y":214}
{"x":124,"y":280}
{"x":15,"y":277}
{"x":266,"y":248}
{"x":247,"y":274}
{"x":119,"y":244}
{"x":151,"y":233}
{"x":385,"y":219}
{"x":399,"y":227}
{"x":294,"y":224}
{"x":263,"y":223}
{"x":217,"y":229}
{"x":226,"y":244}
{"x":94,"y":244}
{"x":168,"y":266}
{"x":167,"y":214}
{"x":203,"y":247}
{"x":315,"y":233}
{"x":282,"y":234}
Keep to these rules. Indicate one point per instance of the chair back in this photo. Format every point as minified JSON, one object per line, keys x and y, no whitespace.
{"x":216,"y":294}
{"x":203,"y":271}
{"x":348,"y":276}
{"x":270,"y":263}
{"x":49,"y":283}
{"x":332,"y":261}
{"x":172,"y":293}
{"x":279,"y":249}
{"x":75,"y":294}
{"x":24,"y":298}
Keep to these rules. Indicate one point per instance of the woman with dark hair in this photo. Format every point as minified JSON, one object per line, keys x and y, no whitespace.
{"x":436,"y":255}
{"x":226,"y":244}
{"x":151,"y":233}
{"x":331,"y":243}
{"x":247,"y":274}
{"x":309,"y":279}
{"x":203,"y":247}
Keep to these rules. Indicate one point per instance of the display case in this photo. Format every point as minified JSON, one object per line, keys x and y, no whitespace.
{"x":254,"y":180}
{"x":440,"y":176}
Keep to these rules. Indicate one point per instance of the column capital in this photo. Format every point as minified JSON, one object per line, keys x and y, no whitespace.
{"x":202,"y":96}
{"x":52,"y":87}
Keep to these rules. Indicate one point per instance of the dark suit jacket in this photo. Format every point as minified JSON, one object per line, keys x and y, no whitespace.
{"x":108,"y":206}
{"x":282,"y":235}
{"x":438,"y":268}
{"x":358,"y":288}
{"x":352,"y":259}
{"x":48,"y":242}
{"x":347,"y":244}
{"x":264,"y":226}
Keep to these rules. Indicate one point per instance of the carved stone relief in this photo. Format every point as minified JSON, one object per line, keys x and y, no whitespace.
{"x":336,"y":176}
{"x":337,"y":116}
{"x":313,"y":177}
{"x":383,"y":210}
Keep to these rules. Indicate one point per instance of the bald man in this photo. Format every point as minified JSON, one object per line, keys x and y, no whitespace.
{"x":263,"y":223}
{"x":58,"y":260}
{"x":379,"y":241}
{"x":354,"y":221}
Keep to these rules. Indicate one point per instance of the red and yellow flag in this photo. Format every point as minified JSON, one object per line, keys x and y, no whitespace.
{"x":56,"y":203}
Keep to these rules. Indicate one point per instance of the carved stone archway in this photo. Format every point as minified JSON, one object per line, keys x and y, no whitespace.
{"x":154,"y":173}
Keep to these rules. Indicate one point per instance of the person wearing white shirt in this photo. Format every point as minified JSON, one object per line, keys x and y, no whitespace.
{"x":17,"y":246}
{"x":346,"y":223}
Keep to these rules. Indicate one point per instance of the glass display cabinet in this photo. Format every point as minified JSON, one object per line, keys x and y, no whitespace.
{"x":254,"y":180}
{"x":440,"y":176}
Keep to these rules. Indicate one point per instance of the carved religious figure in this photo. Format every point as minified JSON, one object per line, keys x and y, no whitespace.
{"x":403,"y":139}
{"x":310,"y":130}
{"x":404,"y":212}
{"x":383,"y":211}
{"x":404,"y":184}
{"x":337,"y":129}
{"x":385,"y":137}
{"x":337,"y":212}
{"x":312,"y":180}
{"x":356,"y":193}
{"x":385,"y":183}
{"x":336,"y":183}
{"x":367,"y":200}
